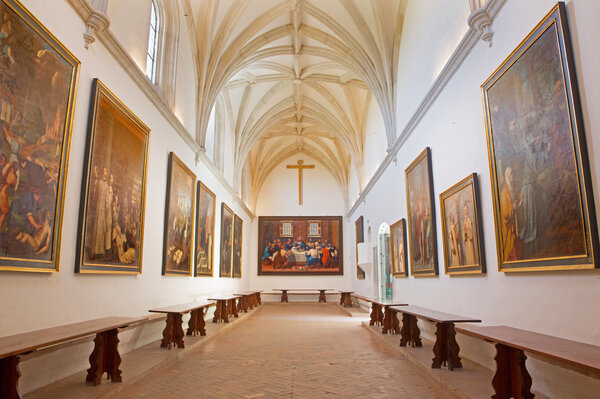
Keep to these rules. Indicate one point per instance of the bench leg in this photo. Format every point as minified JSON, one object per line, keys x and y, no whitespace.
{"x":105,"y":358}
{"x":233,"y":308}
{"x":9,"y":377}
{"x":348,"y":301}
{"x":196,"y":323}
{"x":342,"y":298}
{"x":284,"y":297}
{"x":258,"y":298}
{"x":511,"y":379}
{"x":395,"y":323}
{"x":410,"y":333}
{"x":173,"y":332}
{"x":322,"y":297}
{"x":446,"y":349}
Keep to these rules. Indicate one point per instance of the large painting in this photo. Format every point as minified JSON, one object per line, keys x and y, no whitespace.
{"x":237,"y":246}
{"x":461,"y":228}
{"x":359,"y":233}
{"x":178,"y":248}
{"x":543,"y":201}
{"x":226,"y":241}
{"x":300,"y":245}
{"x":111,"y":214}
{"x":38,"y":79}
{"x":398,"y":248}
{"x":205,"y":231}
{"x":421,"y":216}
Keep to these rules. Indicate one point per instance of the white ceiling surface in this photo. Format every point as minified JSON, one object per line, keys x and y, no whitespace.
{"x":297,"y":76}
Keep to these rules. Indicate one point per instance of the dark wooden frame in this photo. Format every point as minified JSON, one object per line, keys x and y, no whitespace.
{"x":241,"y":226}
{"x":557,"y":17}
{"x":203,"y":187}
{"x":223,"y":208}
{"x":360,"y":274}
{"x":400,"y":224}
{"x":174,"y":161}
{"x":425,"y":156}
{"x":321,"y":218}
{"x":52,"y":265}
{"x":470,"y":180}
{"x":98,"y":89}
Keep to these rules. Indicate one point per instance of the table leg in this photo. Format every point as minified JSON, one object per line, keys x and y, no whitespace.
{"x":322,"y":297}
{"x":446,"y":349}
{"x":512,"y":380}
{"x":233,"y":308}
{"x":9,"y":377}
{"x":173,"y":332}
{"x":284,"y":297}
{"x":410,"y":333}
{"x":105,"y":358}
{"x":196,"y":323}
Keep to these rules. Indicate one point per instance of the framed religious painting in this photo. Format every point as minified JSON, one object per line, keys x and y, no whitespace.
{"x":237,"y":246}
{"x":359,"y":233}
{"x":398,"y":249}
{"x":421,"y":216}
{"x":313,"y":248}
{"x":38,"y":82}
{"x":113,"y":191}
{"x":542,"y":189}
{"x":226,"y":241}
{"x":462,"y":231}
{"x":205,"y":231}
{"x":178,"y":247}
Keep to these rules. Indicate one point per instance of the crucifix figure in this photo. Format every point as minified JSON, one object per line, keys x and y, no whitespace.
{"x":300,"y":166}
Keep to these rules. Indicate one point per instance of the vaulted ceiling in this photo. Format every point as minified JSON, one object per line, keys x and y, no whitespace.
{"x":297,"y":76}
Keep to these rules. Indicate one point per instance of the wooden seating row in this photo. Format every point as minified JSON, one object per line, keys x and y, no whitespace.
{"x":306,"y":291}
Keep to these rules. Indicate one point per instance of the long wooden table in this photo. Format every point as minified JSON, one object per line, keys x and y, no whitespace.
{"x":512,"y":378}
{"x":226,"y":306}
{"x":284,"y":293}
{"x":445,"y":349}
{"x":173,"y":332}
{"x":105,"y":357}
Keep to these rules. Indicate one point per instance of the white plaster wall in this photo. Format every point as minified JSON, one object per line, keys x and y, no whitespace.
{"x":33,"y":301}
{"x":129,"y":21}
{"x":375,"y":141}
{"x":562,"y":304}
{"x":279,"y":197}
{"x":185,"y":79}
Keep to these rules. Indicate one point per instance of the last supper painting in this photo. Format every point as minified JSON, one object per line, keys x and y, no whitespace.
{"x":300,"y":245}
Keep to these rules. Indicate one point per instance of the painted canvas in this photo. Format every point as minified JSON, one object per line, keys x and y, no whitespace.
{"x":543,"y":201}
{"x":178,"y":248}
{"x":111,"y":214}
{"x":205,"y":231}
{"x":399,"y":249}
{"x":38,"y":80}
{"x":421,"y":216}
{"x":226,"y":240}
{"x":359,"y":231}
{"x":237,"y":246}
{"x":461,"y":228}
{"x":300,"y":245}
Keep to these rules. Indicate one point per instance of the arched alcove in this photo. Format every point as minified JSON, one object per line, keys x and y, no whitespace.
{"x":384,"y":262}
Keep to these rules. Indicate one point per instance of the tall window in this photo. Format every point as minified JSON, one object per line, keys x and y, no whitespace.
{"x":152,"y":44}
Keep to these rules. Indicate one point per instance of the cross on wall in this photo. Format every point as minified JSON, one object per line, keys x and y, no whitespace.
{"x":300,"y":167}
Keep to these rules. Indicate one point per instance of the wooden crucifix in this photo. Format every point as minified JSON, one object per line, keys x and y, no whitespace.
{"x":300,"y":166}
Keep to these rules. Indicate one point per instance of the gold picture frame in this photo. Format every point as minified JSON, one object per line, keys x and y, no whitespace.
{"x":238,"y":237}
{"x":226,"y":255}
{"x":399,"y":249}
{"x":205,"y":231}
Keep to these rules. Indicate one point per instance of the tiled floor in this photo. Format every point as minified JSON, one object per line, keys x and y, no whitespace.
{"x":291,"y":351}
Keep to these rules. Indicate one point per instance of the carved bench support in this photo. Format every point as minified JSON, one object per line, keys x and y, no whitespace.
{"x":410,"y":333}
{"x":9,"y":377}
{"x":390,"y":322}
{"x":512,"y":380}
{"x":376,"y":315}
{"x":105,"y":358}
{"x":221,"y":312}
{"x":258,"y":299}
{"x":322,"y":296}
{"x":346,"y":299}
{"x":242,"y":305}
{"x":232,"y":307}
{"x":196,"y":324}
{"x":173,"y":332}
{"x":446,"y":349}
{"x":284,"y":297}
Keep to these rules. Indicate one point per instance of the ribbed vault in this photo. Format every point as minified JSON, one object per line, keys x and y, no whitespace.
{"x":296,"y":76}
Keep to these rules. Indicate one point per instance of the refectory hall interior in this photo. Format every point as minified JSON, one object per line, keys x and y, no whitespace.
{"x":299,"y":199}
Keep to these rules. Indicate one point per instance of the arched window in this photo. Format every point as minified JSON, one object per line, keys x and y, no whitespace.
{"x":152,"y":44}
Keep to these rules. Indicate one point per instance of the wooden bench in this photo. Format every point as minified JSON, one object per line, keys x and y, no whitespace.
{"x":226,"y":306}
{"x":105,"y":357}
{"x":445,"y":349}
{"x":346,"y":298}
{"x":304,"y":291}
{"x":381,"y":315}
{"x":173,"y":332}
{"x":512,"y":378}
{"x":247,"y":300}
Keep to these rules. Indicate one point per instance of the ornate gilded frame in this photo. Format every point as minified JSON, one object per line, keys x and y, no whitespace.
{"x":204,"y":188}
{"x":399,"y":225}
{"x":238,"y":223}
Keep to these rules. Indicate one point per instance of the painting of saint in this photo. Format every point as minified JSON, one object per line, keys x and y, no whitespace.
{"x":38,"y":79}
{"x":461,"y":227}
{"x":205,"y":230}
{"x":543,"y":202}
{"x":313,"y":248}
{"x":179,"y":219}
{"x":111,"y":220}
{"x":226,"y":241}
{"x":398,"y":248}
{"x":359,"y":230}
{"x":237,"y":246}
{"x":421,"y":216}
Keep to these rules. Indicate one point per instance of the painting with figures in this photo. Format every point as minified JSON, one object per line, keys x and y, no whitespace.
{"x":421,"y":216}
{"x":205,"y":230}
{"x":461,"y":228}
{"x":543,"y":200}
{"x":178,"y":246}
{"x":398,"y":248}
{"x":111,"y":218}
{"x":38,"y":79}
{"x":226,"y":240}
{"x":237,"y":246}
{"x":300,"y":245}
